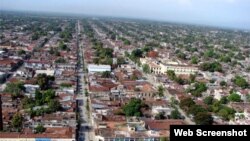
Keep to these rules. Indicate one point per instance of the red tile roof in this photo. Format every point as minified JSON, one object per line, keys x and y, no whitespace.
{"x":162,"y":124}
{"x":65,"y":132}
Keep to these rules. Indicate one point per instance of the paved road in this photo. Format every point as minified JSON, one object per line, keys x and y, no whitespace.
{"x":85,"y":132}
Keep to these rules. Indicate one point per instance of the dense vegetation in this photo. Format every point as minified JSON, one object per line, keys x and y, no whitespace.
{"x":212,"y":67}
{"x":133,"y":107}
{"x":201,"y":115}
{"x":16,"y":89}
{"x":240,"y":81}
{"x":197,"y":89}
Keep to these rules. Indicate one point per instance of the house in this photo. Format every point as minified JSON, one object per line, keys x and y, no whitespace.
{"x":98,"y":68}
{"x":48,"y":72}
{"x":58,"y":134}
{"x":31,"y":89}
{"x":9,"y":64}
{"x":37,"y":64}
{"x":161,"y":127}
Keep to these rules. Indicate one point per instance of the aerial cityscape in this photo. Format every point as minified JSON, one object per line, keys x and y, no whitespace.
{"x":70,"y":77}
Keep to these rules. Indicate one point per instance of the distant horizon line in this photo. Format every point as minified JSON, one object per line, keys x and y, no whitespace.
{"x":125,"y":17}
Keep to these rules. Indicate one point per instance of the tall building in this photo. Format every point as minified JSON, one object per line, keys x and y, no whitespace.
{"x":1,"y":116}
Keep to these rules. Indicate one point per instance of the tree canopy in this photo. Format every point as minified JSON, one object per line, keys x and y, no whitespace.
{"x":203,"y":118}
{"x":17,"y":121}
{"x":161,"y":91}
{"x":175,"y":114}
{"x":146,"y":68}
{"x":248,"y":98}
{"x":133,"y":108}
{"x":212,"y":67}
{"x":160,"y":116}
{"x":15,"y":89}
{"x":106,"y":74}
{"x":186,"y":103}
{"x":197,"y":89}
{"x":208,"y":100}
{"x":171,"y":75}
{"x":54,"y":105}
{"x":40,"y":129}
{"x":234,"y":97}
{"x":44,"y":81}
{"x":240,"y":81}
{"x":137,"y":53}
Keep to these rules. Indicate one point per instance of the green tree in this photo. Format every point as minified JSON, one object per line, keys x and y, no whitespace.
{"x":48,"y":95}
{"x":135,"y":54}
{"x":161,"y":91}
{"x":175,"y":114}
{"x":179,"y":80}
{"x":195,"y":109}
{"x":21,"y":52}
{"x":224,"y":100}
{"x":16,"y":89}
{"x":133,"y":108}
{"x":120,"y":61}
{"x":35,"y":36}
{"x":39,"y":97}
{"x":17,"y":121}
{"x":126,"y":42}
{"x":240,"y":81}
{"x":40,"y":129}
{"x":225,"y":59}
{"x":63,"y":46}
{"x":146,"y":68}
{"x":209,"y":53}
{"x":171,"y":75}
{"x":208,"y":100}
{"x":27,"y":102}
{"x":203,"y":118}
{"x":54,"y":105}
{"x":234,"y":97}
{"x":197,"y":89}
{"x":192,"y":78}
{"x":147,"y":49}
{"x":86,"y":92}
{"x":223,"y":83}
{"x":66,"y":85}
{"x":212,"y":67}
{"x":160,"y":116}
{"x":194,"y":60}
{"x":186,"y":103}
{"x":226,"y":113}
{"x":44,"y":81}
{"x":181,"y":55}
{"x":106,"y":74}
{"x":248,"y":98}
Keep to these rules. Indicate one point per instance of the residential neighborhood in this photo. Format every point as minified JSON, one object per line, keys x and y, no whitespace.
{"x":106,"y":79}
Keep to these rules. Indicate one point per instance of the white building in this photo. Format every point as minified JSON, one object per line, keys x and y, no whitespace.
{"x":31,"y":88}
{"x":98,"y":68}
{"x":161,"y":68}
{"x":48,"y":72}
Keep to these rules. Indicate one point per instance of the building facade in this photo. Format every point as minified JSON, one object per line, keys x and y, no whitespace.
{"x":157,"y":67}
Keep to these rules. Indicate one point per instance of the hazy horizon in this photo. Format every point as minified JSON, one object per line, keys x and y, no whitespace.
{"x":220,"y":13}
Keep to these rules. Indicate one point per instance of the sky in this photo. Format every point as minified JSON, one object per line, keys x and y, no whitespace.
{"x":222,"y":13}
